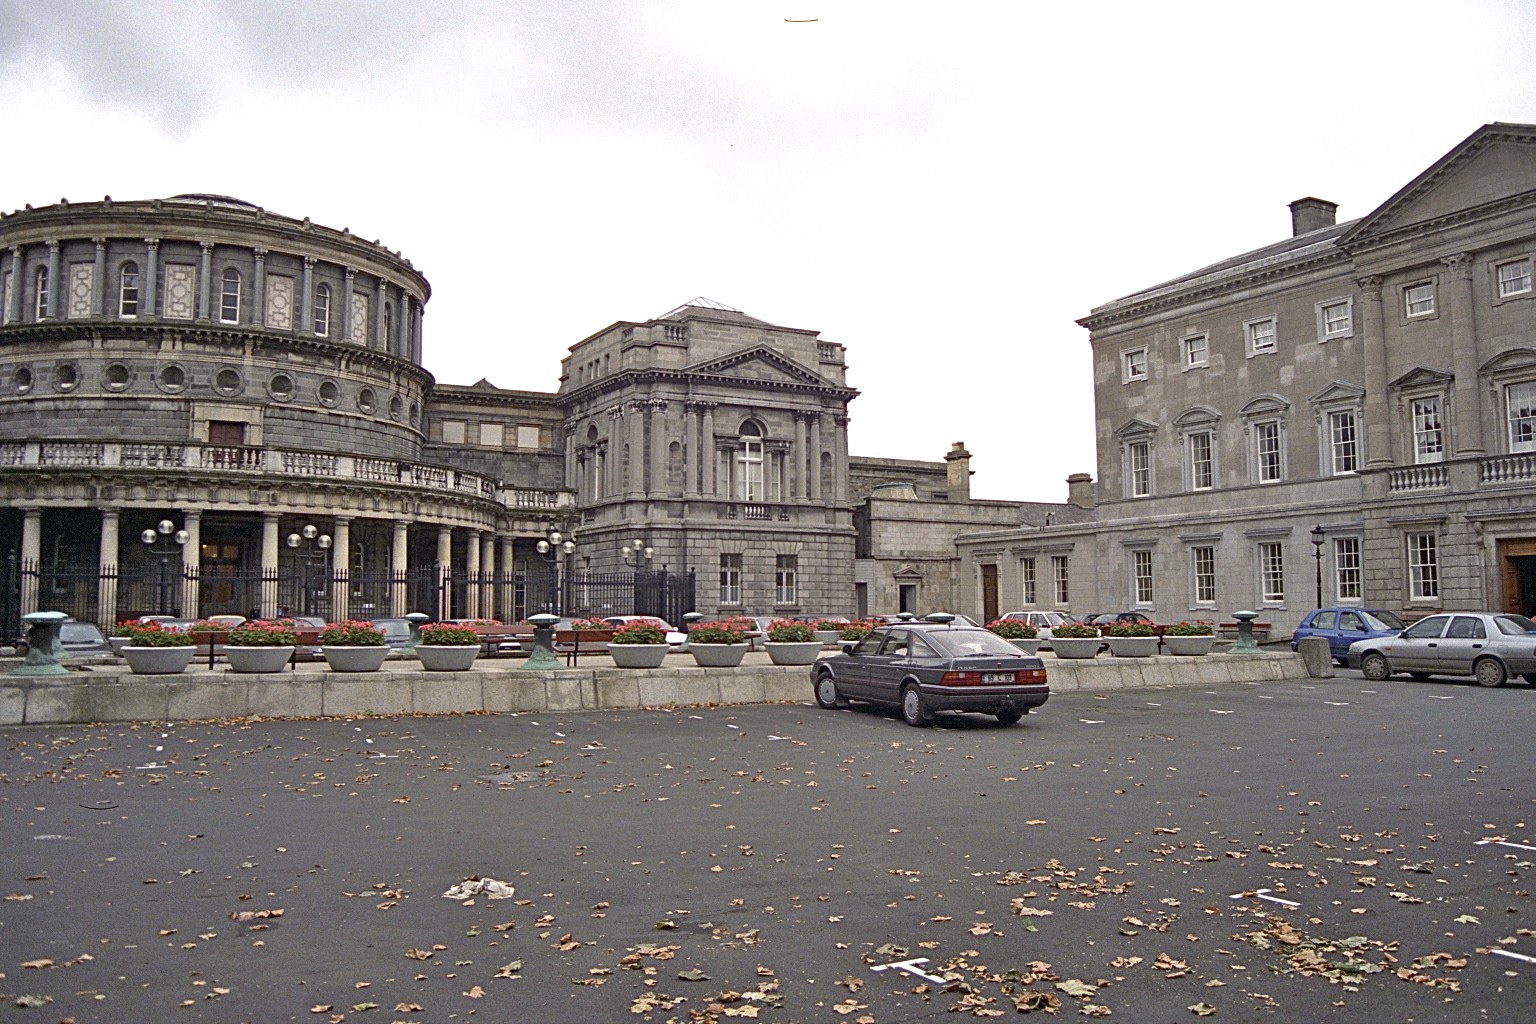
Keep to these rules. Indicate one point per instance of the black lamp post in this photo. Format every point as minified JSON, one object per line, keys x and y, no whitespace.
{"x":165,"y":540}
{"x":552,"y":547}
{"x":1317,"y":553}
{"x":637,"y":554}
{"x":314,"y":541}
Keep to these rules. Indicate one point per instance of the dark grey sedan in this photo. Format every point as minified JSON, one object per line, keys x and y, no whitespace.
{"x":1488,"y":646}
{"x":926,"y":667}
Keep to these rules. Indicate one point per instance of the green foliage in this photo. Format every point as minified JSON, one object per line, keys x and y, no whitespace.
{"x":1190,"y":629}
{"x":1013,"y":629}
{"x":263,"y":634}
{"x":1121,"y":630}
{"x":787,"y":631}
{"x":152,"y":634}
{"x":352,"y":634}
{"x":1074,"y":631}
{"x":439,"y":635}
{"x":639,"y":633}
{"x":717,"y":633}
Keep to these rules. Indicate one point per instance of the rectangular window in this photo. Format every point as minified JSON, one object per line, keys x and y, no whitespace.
{"x":181,"y":291}
{"x":1139,"y":466}
{"x":226,"y":433}
{"x":730,"y":579}
{"x":1204,"y":559}
{"x":785,"y":569}
{"x":1335,"y":320}
{"x":1428,"y":436}
{"x":1423,"y":567}
{"x":128,"y":292}
{"x":492,"y":435}
{"x":321,"y":321}
{"x":1266,"y":450}
{"x":1514,"y":278}
{"x":1202,"y":472}
{"x":454,"y":431}
{"x":1520,"y":401}
{"x":229,"y":297}
{"x":82,"y":280}
{"x":1141,"y":576}
{"x":1261,"y":335}
{"x":527,"y":437}
{"x":1272,"y":573}
{"x":1027,"y":581}
{"x":1346,"y":568}
{"x":1419,"y":299}
{"x":1059,"y":579}
{"x":1197,"y":350}
{"x":1134,"y":364}
{"x":1343,"y":444}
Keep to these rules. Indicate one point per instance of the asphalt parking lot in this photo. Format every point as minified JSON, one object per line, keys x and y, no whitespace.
{"x":1301,"y":851}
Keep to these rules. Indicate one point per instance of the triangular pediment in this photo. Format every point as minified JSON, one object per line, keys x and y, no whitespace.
{"x":907,"y":572}
{"x":758,"y":364}
{"x":1338,"y":391}
{"x":1495,"y":165}
{"x":1422,"y":377}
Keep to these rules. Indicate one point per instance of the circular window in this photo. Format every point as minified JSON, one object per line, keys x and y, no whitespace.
{"x":396,"y":408}
{"x":116,"y":377}
{"x":282,"y":387}
{"x":366,"y":401}
{"x":172,"y":379}
{"x":228,"y":381}
{"x":415,"y":413}
{"x":330,"y":394}
{"x":66,"y":377}
{"x":24,"y":380}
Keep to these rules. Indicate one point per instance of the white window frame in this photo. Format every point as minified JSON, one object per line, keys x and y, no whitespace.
{"x":129,"y":292}
{"x":1196,"y":350}
{"x":40,"y":285}
{"x":321,"y":318}
{"x":1133,"y":365}
{"x":228,"y":297}
{"x":1027,"y":591}
{"x":1348,"y":581}
{"x":1342,"y":443}
{"x":786,"y":569}
{"x":1422,"y":295}
{"x":1262,"y":428}
{"x":730,"y":579}
{"x":1195,"y":464}
{"x":1271,"y":564}
{"x":1512,"y":285}
{"x":1428,"y":425}
{"x":1202,"y":569}
{"x":1061,"y":578}
{"x":1141,"y":577}
{"x":1258,"y":340}
{"x":1520,"y":416}
{"x":1423,"y":563}
{"x":1334,"y":328}
{"x":1138,"y":468}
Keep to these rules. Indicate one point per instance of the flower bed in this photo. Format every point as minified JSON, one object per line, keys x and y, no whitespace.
{"x":438,"y":634}
{"x":1197,"y":628}
{"x":152,"y":634}
{"x":728,"y":632}
{"x":262,"y":634}
{"x":639,"y":633}
{"x":788,"y":631}
{"x":1013,"y":629}
{"x":352,"y":634}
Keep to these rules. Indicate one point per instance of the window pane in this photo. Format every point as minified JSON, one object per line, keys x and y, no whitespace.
{"x":730,"y":579}
{"x":1515,"y":278}
{"x":1342,"y":442}
{"x":1272,"y":573}
{"x":1027,"y":581}
{"x":1267,"y":450}
{"x":1261,"y":336}
{"x":1521,"y":402}
{"x":1419,"y":299}
{"x":1428,"y":437}
{"x":1205,"y":575}
{"x":1141,"y":469}
{"x":1423,"y":566}
{"x":1142,"y":572}
{"x":1201,"y":475}
{"x":1336,"y":319}
{"x":1346,"y":567}
{"x":1059,"y":576}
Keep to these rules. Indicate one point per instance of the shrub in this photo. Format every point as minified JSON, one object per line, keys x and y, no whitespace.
{"x":352,"y":634}
{"x":590,"y":624}
{"x":152,"y":634}
{"x":1129,"y":629}
{"x":263,"y":634}
{"x":1074,"y":631}
{"x":1190,"y":629}
{"x":718,"y":633}
{"x":787,"y":631}
{"x":439,"y":635}
{"x":1013,"y":629}
{"x":639,"y":633}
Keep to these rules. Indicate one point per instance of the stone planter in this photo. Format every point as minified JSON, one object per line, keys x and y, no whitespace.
{"x":1027,"y":646}
{"x":156,"y":661}
{"x":1133,"y":646}
{"x":786,"y":653}
{"x":1076,"y":647}
{"x":1189,"y":646}
{"x":257,"y":659}
{"x":437,"y":658}
{"x":119,"y":642}
{"x":638,"y":655}
{"x":718,"y":655}
{"x":828,"y":637}
{"x":355,"y":659}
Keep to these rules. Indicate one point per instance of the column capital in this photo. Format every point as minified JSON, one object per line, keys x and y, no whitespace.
{"x":207,"y":247}
{"x":310,"y":261}
{"x":700,"y":406}
{"x":1370,"y":284}
{"x":153,"y":243}
{"x":53,"y":245}
{"x":658,"y":404}
{"x":261,"y":254}
{"x":101,"y":243}
{"x":351,"y":272}
{"x":1460,"y":264}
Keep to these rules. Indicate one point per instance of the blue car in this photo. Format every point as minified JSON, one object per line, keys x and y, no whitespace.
{"x":1343,"y":626}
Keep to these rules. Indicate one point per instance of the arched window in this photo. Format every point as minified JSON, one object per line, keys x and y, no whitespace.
{"x":128,"y":291}
{"x":323,"y":310}
{"x":42,"y":292}
{"x":749,"y":464}
{"x":229,"y":298}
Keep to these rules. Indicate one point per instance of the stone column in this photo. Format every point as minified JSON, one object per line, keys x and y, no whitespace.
{"x":690,"y":450}
{"x":99,"y":278}
{"x":31,"y":558}
{"x":403,"y":326}
{"x":636,"y":416}
{"x":420,"y":315}
{"x":397,"y":567}
{"x":106,"y":569}
{"x":571,"y":479}
{"x":707,"y":452}
{"x":341,"y":578}
{"x":306,"y":298}
{"x":444,"y":572}
{"x":13,"y":312}
{"x":508,"y":565}
{"x":192,"y":553}
{"x":51,"y":307}
{"x":269,"y":565}
{"x":346,"y":304}
{"x":382,"y":342}
{"x":259,"y":289}
{"x":1378,"y":433}
{"x":797,"y":456}
{"x":613,"y":461}
{"x":656,"y":415}
{"x":472,"y":574}
{"x":1464,"y":361}
{"x":205,"y":283}
{"x":840,"y":459}
{"x":488,"y":574}
{"x":814,"y":490}
{"x":147,"y":285}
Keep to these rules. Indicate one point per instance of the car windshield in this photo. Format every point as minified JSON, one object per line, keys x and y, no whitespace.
{"x":1053,"y":619}
{"x":1514,"y":625}
{"x":78,"y":632}
{"x":1382,"y":620}
{"x":962,"y":643}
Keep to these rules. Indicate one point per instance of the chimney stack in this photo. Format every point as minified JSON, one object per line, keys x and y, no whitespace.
{"x":1310,"y":214}
{"x":1080,"y":490}
{"x":959,"y":472}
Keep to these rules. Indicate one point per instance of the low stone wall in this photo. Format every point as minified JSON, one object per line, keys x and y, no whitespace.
{"x":110,"y":693}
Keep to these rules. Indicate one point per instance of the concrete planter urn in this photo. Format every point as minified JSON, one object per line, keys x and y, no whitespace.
{"x":1027,"y":646}
{"x":355,"y":659}
{"x":157,"y":661}
{"x":257,"y":659}
{"x":718,"y":655}
{"x":1189,"y":646}
{"x":638,"y":655}
{"x":119,"y":642}
{"x":793,"y":653}
{"x":441,"y":658}
{"x":1133,"y":646}
{"x":828,"y":637}
{"x":1076,"y":648}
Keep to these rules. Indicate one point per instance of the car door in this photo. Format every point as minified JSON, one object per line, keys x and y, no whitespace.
{"x":1325,"y":623}
{"x":1465,"y":638}
{"x":853,"y":668}
{"x":884,"y":669}
{"x":1418,"y":648}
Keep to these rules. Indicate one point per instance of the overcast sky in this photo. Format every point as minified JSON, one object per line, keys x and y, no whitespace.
{"x":941,"y":187}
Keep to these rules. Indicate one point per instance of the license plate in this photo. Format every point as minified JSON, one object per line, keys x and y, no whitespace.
{"x":997,"y":677}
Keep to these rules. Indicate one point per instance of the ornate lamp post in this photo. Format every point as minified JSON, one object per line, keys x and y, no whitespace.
{"x":314,"y":543}
{"x":1318,"y":540}
{"x":636,"y":553}
{"x":165,"y":540}
{"x":552,"y":547}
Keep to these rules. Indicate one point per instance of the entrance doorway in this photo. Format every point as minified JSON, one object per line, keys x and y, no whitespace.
{"x":222,"y":592}
{"x":988,"y":593}
{"x":1517,"y":564}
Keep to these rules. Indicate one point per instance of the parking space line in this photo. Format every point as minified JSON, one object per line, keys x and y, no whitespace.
{"x":1503,"y":842}
{"x":1263,"y":894}
{"x":1517,"y":956}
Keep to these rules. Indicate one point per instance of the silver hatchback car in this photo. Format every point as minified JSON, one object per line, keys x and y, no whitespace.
{"x":1488,"y":646}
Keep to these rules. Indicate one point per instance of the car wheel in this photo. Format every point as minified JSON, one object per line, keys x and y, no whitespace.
{"x":1489,"y":672}
{"x":1374,"y":667}
{"x":826,"y":692}
{"x":913,"y":710}
{"x":1009,"y":717}
{"x":1418,"y":677}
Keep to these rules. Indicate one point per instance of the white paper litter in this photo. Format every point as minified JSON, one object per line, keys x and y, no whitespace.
{"x":474,"y":885}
